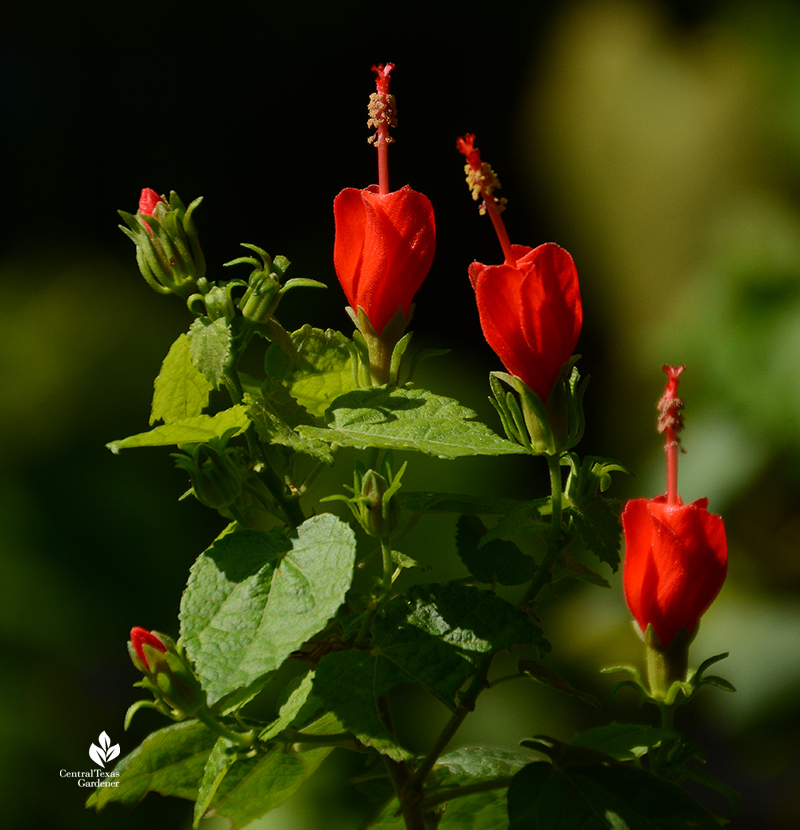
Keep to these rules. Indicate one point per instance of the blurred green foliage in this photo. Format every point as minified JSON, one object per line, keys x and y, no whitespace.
{"x":658,"y":142}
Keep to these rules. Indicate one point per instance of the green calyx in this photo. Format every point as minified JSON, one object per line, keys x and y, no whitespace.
{"x":265,"y":287}
{"x":167,"y":246}
{"x":379,"y":355}
{"x":549,"y":428}
{"x":374,"y":503}
{"x":215,"y":471}
{"x":669,"y":683}
{"x":176,"y":691}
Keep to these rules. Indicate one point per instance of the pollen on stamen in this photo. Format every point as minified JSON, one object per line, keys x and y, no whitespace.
{"x":382,"y":108}
{"x":481,"y":179}
{"x":670,"y":405}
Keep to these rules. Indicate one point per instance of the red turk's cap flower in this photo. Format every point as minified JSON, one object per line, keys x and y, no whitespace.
{"x":148,"y":201}
{"x":676,"y":554}
{"x":530,"y":312}
{"x":140,"y":637}
{"x":383,"y":249}
{"x":676,"y":559}
{"x":530,"y":306}
{"x":385,"y":240}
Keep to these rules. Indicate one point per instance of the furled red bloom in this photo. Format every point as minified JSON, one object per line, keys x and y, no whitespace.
{"x":676,"y":554}
{"x":676,"y":559}
{"x":530,"y":306}
{"x":530,"y":312}
{"x":385,"y":240}
{"x":141,"y":637}
{"x":383,"y":249}
{"x":148,"y":201}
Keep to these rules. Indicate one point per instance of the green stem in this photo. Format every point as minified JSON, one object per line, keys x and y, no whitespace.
{"x":543,"y":574}
{"x":465,"y":706}
{"x":245,"y":741}
{"x":345,"y":740}
{"x":667,"y":724}
{"x":388,"y":565}
{"x":468,"y":789}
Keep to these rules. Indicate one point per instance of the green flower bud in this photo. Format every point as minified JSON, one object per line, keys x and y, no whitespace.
{"x":167,"y":673}
{"x":215,"y":471}
{"x":167,"y":247}
{"x":379,"y":513}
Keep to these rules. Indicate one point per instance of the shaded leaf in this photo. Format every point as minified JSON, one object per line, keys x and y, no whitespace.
{"x":479,"y":811}
{"x":276,"y":414}
{"x":622,"y":741}
{"x":351,"y":683}
{"x":472,"y":619}
{"x":455,"y":503}
{"x":221,"y":759}
{"x":496,"y":561}
{"x":480,"y":763}
{"x":170,"y":762}
{"x":598,"y":525}
{"x":254,"y":786}
{"x":595,"y":796}
{"x":546,"y":675}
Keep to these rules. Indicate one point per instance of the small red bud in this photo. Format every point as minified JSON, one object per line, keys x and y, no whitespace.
{"x":140,"y":637}
{"x":148,"y":201}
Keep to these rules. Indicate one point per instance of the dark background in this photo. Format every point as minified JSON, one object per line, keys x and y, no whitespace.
{"x":659,"y":142}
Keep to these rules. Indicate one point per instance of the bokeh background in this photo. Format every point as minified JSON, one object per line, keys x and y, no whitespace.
{"x":658,"y":141}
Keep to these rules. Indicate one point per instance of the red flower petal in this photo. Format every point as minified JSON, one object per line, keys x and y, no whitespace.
{"x":531,"y":313}
{"x":675,"y":563}
{"x":383,"y":249}
{"x":140,"y":636}
{"x":148,"y":201}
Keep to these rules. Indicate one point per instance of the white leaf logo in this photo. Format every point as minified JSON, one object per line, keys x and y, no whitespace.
{"x":105,"y":752}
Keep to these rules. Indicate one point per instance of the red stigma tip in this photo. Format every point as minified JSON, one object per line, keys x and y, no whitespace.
{"x":673,"y":373}
{"x":382,"y":71}
{"x":466,"y":146}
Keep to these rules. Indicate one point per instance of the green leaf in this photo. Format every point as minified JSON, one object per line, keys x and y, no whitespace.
{"x":479,"y":811}
{"x":529,"y":517}
{"x":622,"y":741}
{"x":255,"y":786}
{"x":196,"y":430}
{"x":546,"y":675}
{"x":170,"y":762}
{"x":221,"y":759}
{"x":296,"y":700}
{"x":422,"y":502}
{"x":321,"y":371}
{"x":566,"y":566}
{"x":254,"y":597}
{"x":210,"y":344}
{"x":276,"y":414}
{"x":595,"y":796}
{"x":497,"y":561}
{"x":408,"y":419}
{"x":482,"y":763}
{"x":351,"y":683}
{"x":598,"y":526}
{"x":180,"y":390}
{"x":471,"y":619}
